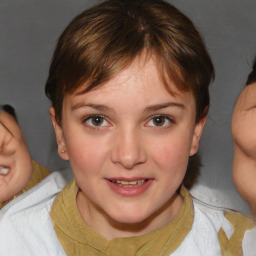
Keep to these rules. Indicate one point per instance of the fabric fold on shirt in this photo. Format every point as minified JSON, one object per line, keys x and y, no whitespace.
{"x":80,"y":239}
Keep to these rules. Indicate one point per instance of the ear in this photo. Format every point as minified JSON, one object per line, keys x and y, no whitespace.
{"x":62,"y":151}
{"x":198,"y":130}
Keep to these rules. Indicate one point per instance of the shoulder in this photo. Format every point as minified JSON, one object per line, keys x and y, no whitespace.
{"x":245,"y":231}
{"x":234,"y":230}
{"x":202,"y":237}
{"x":37,"y":195}
{"x":25,"y":224}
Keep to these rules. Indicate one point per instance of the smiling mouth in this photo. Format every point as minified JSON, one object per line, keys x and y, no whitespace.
{"x":129,"y":184}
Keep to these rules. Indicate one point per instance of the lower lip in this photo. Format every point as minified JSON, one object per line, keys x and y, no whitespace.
{"x":130,"y":191}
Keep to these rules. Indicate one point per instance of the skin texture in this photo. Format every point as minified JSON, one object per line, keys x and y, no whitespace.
{"x":14,"y":155}
{"x":244,"y":140}
{"x":129,"y":145}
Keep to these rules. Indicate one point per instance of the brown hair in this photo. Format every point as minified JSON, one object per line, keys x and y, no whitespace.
{"x":104,"y":39}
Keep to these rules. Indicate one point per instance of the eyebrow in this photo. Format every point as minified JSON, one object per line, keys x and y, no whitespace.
{"x":164,"y":105}
{"x":98,"y":107}
{"x":152,"y":108}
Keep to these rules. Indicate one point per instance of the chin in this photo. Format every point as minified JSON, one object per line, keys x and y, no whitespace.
{"x":130,"y":220}
{"x":126,"y":218}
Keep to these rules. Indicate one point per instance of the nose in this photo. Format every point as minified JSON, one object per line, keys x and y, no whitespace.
{"x":128,"y":149}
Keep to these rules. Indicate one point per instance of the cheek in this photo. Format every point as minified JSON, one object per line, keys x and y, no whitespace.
{"x":21,"y":168}
{"x":244,"y":133}
{"x":23,"y":164}
{"x":85,"y":154}
{"x":171,"y":153}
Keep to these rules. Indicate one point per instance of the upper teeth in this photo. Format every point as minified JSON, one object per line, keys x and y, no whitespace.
{"x":134,"y":182}
{"x":4,"y":170}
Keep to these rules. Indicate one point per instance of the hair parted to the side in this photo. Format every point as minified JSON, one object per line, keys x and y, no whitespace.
{"x":105,"y":39}
{"x":252,"y":76}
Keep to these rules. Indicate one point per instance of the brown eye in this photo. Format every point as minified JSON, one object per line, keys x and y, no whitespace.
{"x":159,"y":120}
{"x":97,"y":120}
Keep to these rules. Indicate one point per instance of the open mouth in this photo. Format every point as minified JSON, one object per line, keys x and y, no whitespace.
{"x":130,"y":187}
{"x":4,"y":170}
{"x":129,"y":184}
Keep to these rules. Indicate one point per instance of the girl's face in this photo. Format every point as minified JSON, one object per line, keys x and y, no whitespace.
{"x":128,"y":143}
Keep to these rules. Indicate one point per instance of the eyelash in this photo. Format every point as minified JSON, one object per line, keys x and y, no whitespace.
{"x":90,"y":118}
{"x":166,"y":119}
{"x":104,"y":119}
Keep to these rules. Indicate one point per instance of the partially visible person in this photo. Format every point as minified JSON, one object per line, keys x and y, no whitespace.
{"x":244,"y":140}
{"x":18,"y":172}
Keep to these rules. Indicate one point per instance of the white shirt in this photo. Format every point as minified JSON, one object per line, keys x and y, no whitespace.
{"x":26,"y":228}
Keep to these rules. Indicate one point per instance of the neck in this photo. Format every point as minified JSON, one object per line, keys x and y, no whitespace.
{"x":110,"y":228}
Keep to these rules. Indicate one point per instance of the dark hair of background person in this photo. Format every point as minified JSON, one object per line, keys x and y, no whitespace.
{"x":10,"y":110}
{"x":252,"y":76}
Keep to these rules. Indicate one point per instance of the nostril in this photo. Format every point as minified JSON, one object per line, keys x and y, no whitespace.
{"x":128,"y":150}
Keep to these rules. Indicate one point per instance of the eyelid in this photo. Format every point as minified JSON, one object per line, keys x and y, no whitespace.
{"x":252,"y":107}
{"x":85,"y":119}
{"x":167,"y":117}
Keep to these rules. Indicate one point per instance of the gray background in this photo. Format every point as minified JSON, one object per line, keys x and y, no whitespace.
{"x":28,"y":33}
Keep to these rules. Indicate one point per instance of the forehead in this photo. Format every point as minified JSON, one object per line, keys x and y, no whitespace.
{"x":143,"y":74}
{"x":133,"y":92}
{"x":10,"y":123}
